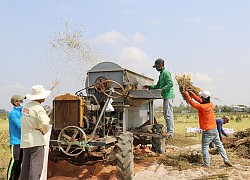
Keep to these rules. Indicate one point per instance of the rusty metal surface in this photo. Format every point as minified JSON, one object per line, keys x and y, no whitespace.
{"x":130,"y":80}
{"x":116,"y":73}
{"x":136,"y":80}
{"x":67,"y":96}
{"x":66,"y":113}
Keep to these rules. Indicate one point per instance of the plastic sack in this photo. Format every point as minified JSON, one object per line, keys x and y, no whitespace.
{"x":109,"y":107}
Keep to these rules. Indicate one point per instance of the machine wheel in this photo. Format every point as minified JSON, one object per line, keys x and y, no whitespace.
{"x":72,"y":140}
{"x":124,"y":155}
{"x":98,"y":81}
{"x":158,"y":145}
{"x":112,"y":89}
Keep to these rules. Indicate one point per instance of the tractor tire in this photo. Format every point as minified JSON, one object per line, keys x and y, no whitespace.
{"x":158,"y":145}
{"x":124,"y":156}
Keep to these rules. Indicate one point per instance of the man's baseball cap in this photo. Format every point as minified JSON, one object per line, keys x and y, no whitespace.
{"x":204,"y":94}
{"x":17,"y":98}
{"x":157,"y":62}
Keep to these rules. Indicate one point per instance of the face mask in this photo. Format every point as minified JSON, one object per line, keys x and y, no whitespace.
{"x":158,"y":68}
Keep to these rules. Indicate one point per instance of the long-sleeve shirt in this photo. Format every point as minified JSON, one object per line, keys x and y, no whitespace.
{"x":165,"y":83}
{"x":34,"y":123}
{"x":205,"y":112}
{"x":15,"y":125}
{"x":219,"y":123}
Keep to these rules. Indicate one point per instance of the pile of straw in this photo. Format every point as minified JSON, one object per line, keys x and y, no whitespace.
{"x":185,"y":84}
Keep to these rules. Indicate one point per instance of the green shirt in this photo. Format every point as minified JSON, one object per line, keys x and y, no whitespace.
{"x":165,"y":83}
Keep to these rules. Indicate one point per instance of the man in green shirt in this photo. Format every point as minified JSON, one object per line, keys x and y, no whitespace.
{"x":165,"y":83}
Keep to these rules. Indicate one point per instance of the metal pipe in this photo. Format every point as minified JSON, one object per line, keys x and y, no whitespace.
{"x":151,"y":112}
{"x":93,"y":96}
{"x":99,"y":118}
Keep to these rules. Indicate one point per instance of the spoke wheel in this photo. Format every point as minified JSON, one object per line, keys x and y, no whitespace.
{"x":98,"y":81}
{"x":71,"y":140}
{"x":112,"y":89}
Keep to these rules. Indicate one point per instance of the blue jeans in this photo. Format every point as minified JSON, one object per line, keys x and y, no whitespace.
{"x":168,"y":115}
{"x":208,"y":137}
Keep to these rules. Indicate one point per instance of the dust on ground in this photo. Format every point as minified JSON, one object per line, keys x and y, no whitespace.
{"x":177,"y":163}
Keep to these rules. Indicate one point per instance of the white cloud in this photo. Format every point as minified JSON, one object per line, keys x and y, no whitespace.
{"x":202,"y":78}
{"x":133,"y":53}
{"x":112,"y":37}
{"x":203,"y":81}
{"x":138,"y":38}
{"x":134,"y":59}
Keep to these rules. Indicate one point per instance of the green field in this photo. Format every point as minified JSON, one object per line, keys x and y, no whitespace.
{"x":181,"y":121}
{"x":181,"y":137}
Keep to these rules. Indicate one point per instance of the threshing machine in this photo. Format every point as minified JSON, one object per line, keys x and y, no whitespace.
{"x":104,"y":120}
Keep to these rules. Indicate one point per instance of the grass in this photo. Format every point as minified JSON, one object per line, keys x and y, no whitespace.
{"x":4,"y":146}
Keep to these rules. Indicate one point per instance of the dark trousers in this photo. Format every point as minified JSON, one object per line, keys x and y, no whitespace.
{"x":32,"y":163}
{"x":14,"y":167}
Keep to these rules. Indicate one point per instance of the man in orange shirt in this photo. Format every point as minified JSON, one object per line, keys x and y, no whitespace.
{"x":208,"y":125}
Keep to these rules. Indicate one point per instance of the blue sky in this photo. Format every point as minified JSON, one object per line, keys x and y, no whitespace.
{"x":209,"y":39}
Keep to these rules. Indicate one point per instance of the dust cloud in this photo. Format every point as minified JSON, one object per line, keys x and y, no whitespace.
{"x":70,"y":56}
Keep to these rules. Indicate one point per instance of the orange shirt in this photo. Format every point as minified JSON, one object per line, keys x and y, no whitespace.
{"x":205,"y":112}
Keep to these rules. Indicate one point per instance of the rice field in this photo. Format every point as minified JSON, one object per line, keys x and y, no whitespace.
{"x":4,"y":146}
{"x":181,"y":121}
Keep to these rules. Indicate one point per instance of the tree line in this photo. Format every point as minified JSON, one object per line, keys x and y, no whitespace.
{"x":182,"y":108}
{"x":3,"y":111}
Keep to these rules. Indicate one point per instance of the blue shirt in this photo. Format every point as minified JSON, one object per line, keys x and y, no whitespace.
{"x":219,"y":123}
{"x":15,"y":125}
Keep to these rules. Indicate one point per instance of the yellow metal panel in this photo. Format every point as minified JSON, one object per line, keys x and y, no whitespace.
{"x":67,"y":97}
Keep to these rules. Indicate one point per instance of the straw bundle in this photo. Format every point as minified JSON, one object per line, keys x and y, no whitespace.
{"x":185,"y":84}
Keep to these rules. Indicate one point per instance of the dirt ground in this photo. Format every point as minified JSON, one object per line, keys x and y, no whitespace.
{"x":240,"y":169}
{"x":149,"y":165}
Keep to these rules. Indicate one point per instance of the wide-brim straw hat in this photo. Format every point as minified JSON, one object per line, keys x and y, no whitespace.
{"x":38,"y":92}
